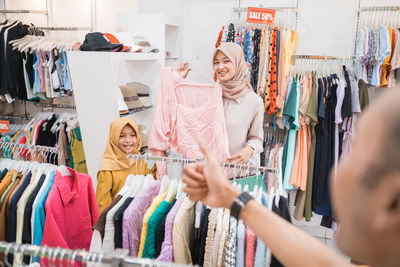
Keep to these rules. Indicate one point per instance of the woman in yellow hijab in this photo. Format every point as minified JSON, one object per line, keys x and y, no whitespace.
{"x":124,"y":138}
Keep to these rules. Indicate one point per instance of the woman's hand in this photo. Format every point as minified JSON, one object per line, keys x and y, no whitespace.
{"x":207,"y":183}
{"x":183,"y":70}
{"x":242,"y":156}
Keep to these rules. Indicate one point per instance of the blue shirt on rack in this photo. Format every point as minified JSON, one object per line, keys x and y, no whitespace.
{"x":40,"y":215}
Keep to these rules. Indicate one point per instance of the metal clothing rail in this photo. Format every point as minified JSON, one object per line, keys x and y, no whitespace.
{"x":322,"y":57}
{"x":379,"y":8}
{"x":118,"y":258}
{"x":54,"y":28}
{"x":29,"y":147}
{"x":186,"y":161}
{"x":51,"y":105}
{"x":23,"y":11}
{"x":14,"y":117}
{"x":244,"y":9}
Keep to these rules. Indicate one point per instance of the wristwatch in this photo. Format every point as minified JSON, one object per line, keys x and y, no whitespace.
{"x":239,"y":203}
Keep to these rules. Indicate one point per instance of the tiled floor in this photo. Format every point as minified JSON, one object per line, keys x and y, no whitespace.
{"x":313,"y":227}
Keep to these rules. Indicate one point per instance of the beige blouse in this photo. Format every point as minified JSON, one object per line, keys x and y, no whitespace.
{"x":182,"y":234}
{"x":244,"y":120}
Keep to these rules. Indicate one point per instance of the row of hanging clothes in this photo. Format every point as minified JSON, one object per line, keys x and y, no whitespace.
{"x":44,"y":204}
{"x":268,"y":51}
{"x":50,"y":130}
{"x":154,"y":219}
{"x":377,"y":49}
{"x":34,"y":65}
{"x":321,"y":105}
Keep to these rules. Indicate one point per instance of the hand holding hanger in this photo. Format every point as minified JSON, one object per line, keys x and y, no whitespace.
{"x":183,"y":70}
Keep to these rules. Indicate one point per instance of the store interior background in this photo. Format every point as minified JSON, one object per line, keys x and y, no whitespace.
{"x":324,"y":28}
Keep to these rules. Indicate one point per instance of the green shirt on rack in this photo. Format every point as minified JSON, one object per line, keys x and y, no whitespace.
{"x":312,"y":113}
{"x":149,"y":250}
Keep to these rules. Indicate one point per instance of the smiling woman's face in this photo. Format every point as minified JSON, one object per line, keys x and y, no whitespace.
{"x":223,"y":67}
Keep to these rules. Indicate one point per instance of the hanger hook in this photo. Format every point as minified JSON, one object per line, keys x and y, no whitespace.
{"x":62,"y":254}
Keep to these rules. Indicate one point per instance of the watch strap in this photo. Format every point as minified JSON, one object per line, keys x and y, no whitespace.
{"x":239,"y":203}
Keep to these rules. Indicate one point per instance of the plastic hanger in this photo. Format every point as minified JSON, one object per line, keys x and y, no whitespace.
{"x":137,"y":186}
{"x":149,"y":179}
{"x":180,"y":185}
{"x":171,"y":190}
{"x":130,"y":179}
{"x":164,"y":184}
{"x":64,"y":171}
{"x":198,"y":69}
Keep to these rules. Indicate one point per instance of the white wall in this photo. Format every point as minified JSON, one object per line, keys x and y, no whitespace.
{"x":107,"y":10}
{"x":325,"y":27}
{"x":170,"y":7}
{"x":77,"y":13}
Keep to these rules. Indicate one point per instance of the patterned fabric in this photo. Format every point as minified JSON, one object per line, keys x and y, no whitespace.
{"x":238,"y":33}
{"x":240,"y":244}
{"x":231,"y":33}
{"x":271,"y":97}
{"x":256,"y":59}
{"x":192,"y":112}
{"x":264,"y":60}
{"x":223,"y":238}
{"x":230,"y":252}
{"x":212,"y":221}
{"x":248,"y":47}
{"x":268,"y":82}
{"x":371,"y":55}
{"x":243,"y":36}
{"x":218,"y":43}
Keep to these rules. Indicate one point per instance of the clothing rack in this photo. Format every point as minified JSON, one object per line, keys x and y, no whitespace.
{"x":319,"y":57}
{"x":15,"y":117}
{"x":322,"y":57}
{"x":370,"y":8}
{"x":37,"y":148}
{"x":23,"y":11}
{"x":240,"y":10}
{"x":118,"y":258}
{"x":244,"y":9}
{"x":51,"y":105}
{"x":48,"y":28}
{"x":379,"y":8}
{"x":186,"y":161}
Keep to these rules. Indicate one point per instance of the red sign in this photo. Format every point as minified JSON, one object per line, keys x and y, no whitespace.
{"x":261,"y":15}
{"x":4,"y":126}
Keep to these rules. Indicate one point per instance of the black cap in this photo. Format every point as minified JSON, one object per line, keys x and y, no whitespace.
{"x":96,"y":41}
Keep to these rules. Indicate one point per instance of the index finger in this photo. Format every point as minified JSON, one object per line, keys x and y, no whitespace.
{"x":208,"y":155}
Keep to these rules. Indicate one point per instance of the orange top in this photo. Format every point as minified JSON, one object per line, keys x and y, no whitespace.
{"x":386,"y":67}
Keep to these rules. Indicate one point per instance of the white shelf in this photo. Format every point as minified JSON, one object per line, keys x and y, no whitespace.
{"x":173,"y":21}
{"x":123,"y":55}
{"x":136,"y":56}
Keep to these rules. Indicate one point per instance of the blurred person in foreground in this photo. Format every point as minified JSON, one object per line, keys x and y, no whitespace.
{"x":366,"y":195}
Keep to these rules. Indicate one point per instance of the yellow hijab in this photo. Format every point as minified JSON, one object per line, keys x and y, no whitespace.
{"x":114,"y":159}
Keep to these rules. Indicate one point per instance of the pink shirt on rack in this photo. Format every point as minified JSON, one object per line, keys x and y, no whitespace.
{"x":71,"y":212}
{"x":186,"y":113}
{"x":250,"y":247}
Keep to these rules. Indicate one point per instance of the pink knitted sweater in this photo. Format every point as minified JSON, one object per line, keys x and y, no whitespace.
{"x":186,"y":113}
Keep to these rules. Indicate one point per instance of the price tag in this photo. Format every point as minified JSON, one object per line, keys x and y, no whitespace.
{"x":4,"y":126}
{"x":261,"y":15}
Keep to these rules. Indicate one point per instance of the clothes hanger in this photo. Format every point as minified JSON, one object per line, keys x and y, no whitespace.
{"x":139,"y":181}
{"x":130,"y":181}
{"x":180,"y":184}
